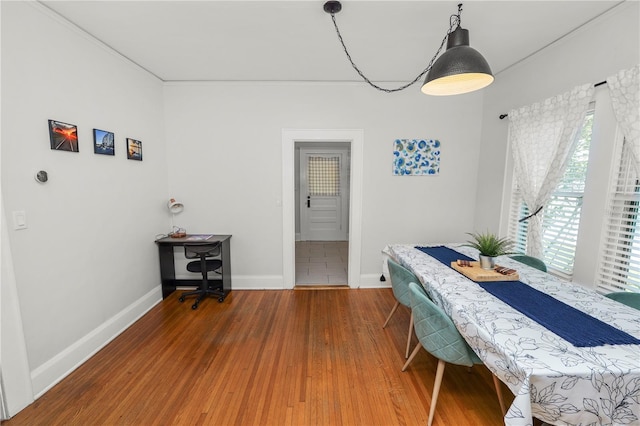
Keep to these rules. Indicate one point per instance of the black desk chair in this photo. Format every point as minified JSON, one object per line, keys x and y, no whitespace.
{"x":208,"y":254}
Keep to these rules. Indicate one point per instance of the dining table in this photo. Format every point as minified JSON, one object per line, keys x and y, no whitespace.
{"x":569,"y":355}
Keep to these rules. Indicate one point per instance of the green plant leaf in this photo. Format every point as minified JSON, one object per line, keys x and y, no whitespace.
{"x":489,"y":244}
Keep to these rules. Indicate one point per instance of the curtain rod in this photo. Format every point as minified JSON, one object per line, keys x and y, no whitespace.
{"x":503,"y":116}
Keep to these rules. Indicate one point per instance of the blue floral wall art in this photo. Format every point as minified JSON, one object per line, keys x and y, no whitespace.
{"x":416,"y":157}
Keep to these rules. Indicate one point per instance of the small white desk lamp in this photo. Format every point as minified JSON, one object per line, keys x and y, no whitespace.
{"x":175,"y":207}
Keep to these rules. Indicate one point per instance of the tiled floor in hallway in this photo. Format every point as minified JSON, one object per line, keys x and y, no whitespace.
{"x":321,"y":262}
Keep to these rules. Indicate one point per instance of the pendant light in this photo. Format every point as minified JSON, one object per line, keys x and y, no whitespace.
{"x":460,"y":69}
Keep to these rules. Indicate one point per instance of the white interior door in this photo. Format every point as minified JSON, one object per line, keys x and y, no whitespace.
{"x":323,"y":191}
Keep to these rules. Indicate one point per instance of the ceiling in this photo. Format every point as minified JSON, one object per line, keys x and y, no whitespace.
{"x":390,"y":41}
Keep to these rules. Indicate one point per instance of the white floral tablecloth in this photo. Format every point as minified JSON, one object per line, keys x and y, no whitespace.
{"x":551,"y":379}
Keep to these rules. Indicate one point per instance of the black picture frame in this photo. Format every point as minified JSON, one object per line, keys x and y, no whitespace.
{"x":63,"y":136}
{"x":134,"y":149}
{"x":103,"y":142}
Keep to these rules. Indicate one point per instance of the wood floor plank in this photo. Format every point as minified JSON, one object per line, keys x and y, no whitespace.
{"x":312,"y":357}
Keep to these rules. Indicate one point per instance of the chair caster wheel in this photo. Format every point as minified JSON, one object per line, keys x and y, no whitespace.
{"x":181,"y":299}
{"x":194,"y":307}
{"x":220,"y":299}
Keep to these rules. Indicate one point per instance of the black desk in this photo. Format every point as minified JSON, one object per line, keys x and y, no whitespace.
{"x":168,"y":268}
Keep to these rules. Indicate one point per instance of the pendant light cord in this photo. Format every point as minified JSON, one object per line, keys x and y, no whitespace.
{"x":454,"y":21}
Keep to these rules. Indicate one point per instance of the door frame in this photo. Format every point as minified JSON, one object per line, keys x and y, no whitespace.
{"x":344,"y":191}
{"x":355,"y":138}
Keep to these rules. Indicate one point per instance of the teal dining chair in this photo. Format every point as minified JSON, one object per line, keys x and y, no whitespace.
{"x":400,"y":279}
{"x":439,"y":336}
{"x":626,"y":297}
{"x":530,"y":261}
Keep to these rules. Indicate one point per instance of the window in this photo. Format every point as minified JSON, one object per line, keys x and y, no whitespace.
{"x":561,"y":218}
{"x":619,"y":268}
{"x":323,"y":176}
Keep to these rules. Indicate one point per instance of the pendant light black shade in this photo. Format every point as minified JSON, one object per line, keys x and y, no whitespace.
{"x":460,"y":69}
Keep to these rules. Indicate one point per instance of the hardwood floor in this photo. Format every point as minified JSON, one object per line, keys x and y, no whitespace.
{"x":312,"y":357}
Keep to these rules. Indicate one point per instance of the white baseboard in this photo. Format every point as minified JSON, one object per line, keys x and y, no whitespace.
{"x":57,"y":368}
{"x":257,"y":282}
{"x":276,"y":282}
{"x":373,"y":281}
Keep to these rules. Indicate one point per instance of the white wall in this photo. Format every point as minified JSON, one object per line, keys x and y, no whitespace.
{"x":589,"y":55}
{"x":86,"y":266}
{"x":224,"y":145}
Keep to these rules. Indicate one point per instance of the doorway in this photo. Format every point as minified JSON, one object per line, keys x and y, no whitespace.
{"x":322,"y":213}
{"x":290,"y":196}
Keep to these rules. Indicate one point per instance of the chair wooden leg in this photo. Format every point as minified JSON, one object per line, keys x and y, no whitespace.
{"x":413,"y":355}
{"x":393,"y":310}
{"x":436,"y":390}
{"x":406,"y":352}
{"x":497,"y":384}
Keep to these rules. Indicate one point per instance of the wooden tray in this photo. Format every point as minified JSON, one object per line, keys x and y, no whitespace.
{"x":476,"y":273}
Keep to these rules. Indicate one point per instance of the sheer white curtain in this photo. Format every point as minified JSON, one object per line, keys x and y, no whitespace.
{"x":624,"y":88}
{"x":542,"y":136}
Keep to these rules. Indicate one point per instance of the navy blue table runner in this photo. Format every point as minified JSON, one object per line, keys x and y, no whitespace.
{"x":573,"y":325}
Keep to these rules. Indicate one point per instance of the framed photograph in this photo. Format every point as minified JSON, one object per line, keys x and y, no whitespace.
{"x":103,"y":142}
{"x":63,"y":136}
{"x":134,"y":149}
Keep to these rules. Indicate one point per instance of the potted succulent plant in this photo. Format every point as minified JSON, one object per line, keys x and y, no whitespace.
{"x":489,"y":245}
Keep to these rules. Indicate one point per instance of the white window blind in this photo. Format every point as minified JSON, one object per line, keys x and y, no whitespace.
{"x":560,"y":230}
{"x":561,"y":215}
{"x":518,"y":230}
{"x":619,"y":268}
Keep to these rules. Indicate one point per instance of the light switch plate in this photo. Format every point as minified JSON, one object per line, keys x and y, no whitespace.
{"x":19,"y":220}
